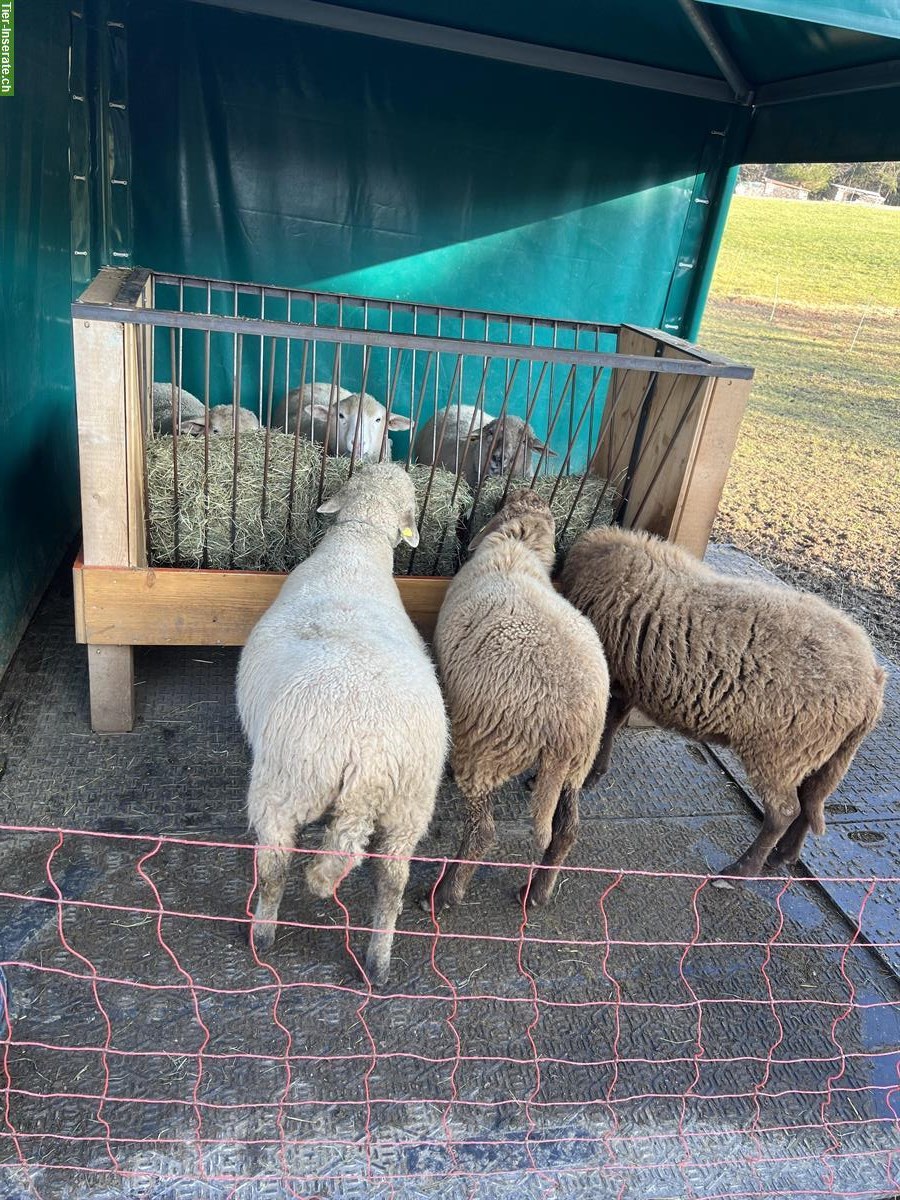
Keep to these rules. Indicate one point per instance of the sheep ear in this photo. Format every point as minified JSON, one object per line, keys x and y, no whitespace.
{"x":396,"y":422}
{"x":540,"y":448}
{"x":335,"y":504}
{"x":318,"y":411}
{"x":409,"y":533}
{"x":193,"y":427}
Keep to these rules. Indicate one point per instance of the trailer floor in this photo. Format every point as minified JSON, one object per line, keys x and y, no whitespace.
{"x":647,"y":1036}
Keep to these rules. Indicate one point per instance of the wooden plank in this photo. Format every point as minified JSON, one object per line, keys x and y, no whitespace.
{"x":100,"y":396}
{"x":704,"y":477}
{"x":619,"y":422}
{"x":100,"y":379}
{"x":688,"y":349}
{"x":666,"y":450}
{"x":168,"y":606}
{"x":111,"y":675}
{"x":105,"y":286}
{"x":78,"y":592}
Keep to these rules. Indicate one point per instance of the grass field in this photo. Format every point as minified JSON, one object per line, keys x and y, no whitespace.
{"x":814,"y":489}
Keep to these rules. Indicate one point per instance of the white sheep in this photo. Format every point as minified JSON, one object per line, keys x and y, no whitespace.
{"x":460,"y":438}
{"x":334,"y":413}
{"x":342,"y":709}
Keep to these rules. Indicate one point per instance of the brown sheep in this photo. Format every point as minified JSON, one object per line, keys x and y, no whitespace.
{"x":526,"y":685}
{"x":786,"y":681}
{"x":461,"y":439}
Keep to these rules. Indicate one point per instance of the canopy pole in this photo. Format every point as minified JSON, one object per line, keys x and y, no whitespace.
{"x":722,"y":56}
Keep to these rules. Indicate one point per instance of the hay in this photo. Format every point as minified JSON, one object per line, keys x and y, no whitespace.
{"x":236,"y":531}
{"x":567,"y":487}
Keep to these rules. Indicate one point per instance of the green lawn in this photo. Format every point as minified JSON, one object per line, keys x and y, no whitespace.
{"x":814,"y":489}
{"x":813,"y":253}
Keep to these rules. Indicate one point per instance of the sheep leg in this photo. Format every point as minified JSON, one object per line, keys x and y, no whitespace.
{"x":478,"y":837}
{"x":276,"y":831}
{"x":545,"y":800}
{"x":812,"y":794}
{"x":345,"y":842}
{"x":391,"y":877}
{"x":565,"y":833}
{"x":788,"y":848}
{"x":617,"y":713}
{"x":782,"y":808}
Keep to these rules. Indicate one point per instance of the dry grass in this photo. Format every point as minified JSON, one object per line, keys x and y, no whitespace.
{"x":577,"y":502}
{"x":214,"y":523}
{"x":814,"y":488}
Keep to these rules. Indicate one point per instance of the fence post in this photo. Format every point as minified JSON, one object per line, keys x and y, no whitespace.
{"x":100,"y":382}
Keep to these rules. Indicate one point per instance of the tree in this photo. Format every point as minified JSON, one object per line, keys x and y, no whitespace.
{"x":815,"y":177}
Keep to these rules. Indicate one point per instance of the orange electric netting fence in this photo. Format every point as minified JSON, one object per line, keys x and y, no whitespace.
{"x":646,"y":1036}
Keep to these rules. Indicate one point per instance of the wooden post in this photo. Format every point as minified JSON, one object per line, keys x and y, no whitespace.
{"x":707,"y":469}
{"x":100,"y":370}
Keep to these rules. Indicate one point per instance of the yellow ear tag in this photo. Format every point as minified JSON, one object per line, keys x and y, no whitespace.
{"x":406,"y":532}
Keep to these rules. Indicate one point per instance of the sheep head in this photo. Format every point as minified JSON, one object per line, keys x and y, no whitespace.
{"x":526,"y":518}
{"x":381,"y":495}
{"x":505,"y":446}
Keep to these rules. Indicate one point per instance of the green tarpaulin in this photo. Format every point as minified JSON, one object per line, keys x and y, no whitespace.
{"x":549,"y":169}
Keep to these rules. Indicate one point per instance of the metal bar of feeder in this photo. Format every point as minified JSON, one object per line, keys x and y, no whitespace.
{"x":421,"y":402}
{"x":175,"y":406}
{"x":207,"y":351}
{"x":523,"y":432}
{"x":392,"y":391}
{"x":359,"y":411}
{"x":268,"y":426}
{"x":422,"y":515}
{"x":573,"y":436}
{"x":373,"y":337}
{"x":293,"y":480}
{"x":570,"y":378}
{"x":604,"y":433}
{"x":498,"y":426}
{"x":401,"y":306}
{"x":235,"y":401}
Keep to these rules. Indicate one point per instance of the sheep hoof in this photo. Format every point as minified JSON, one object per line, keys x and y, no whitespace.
{"x":740,"y":869}
{"x":439,"y":904}
{"x":722,"y":884}
{"x":779,"y":858}
{"x":531,"y":896}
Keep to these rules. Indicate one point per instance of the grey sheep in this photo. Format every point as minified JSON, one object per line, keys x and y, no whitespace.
{"x":165,"y":399}
{"x":343,"y":712}
{"x":459,"y":438}
{"x":526,"y":686}
{"x":221,"y":422}
{"x":192,"y":413}
{"x":786,"y":681}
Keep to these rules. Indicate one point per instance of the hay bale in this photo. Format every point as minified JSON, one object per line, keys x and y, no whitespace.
{"x":236,"y":530}
{"x":566,"y":488}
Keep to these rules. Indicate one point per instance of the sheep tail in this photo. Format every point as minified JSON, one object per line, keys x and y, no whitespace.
{"x":818,"y":786}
